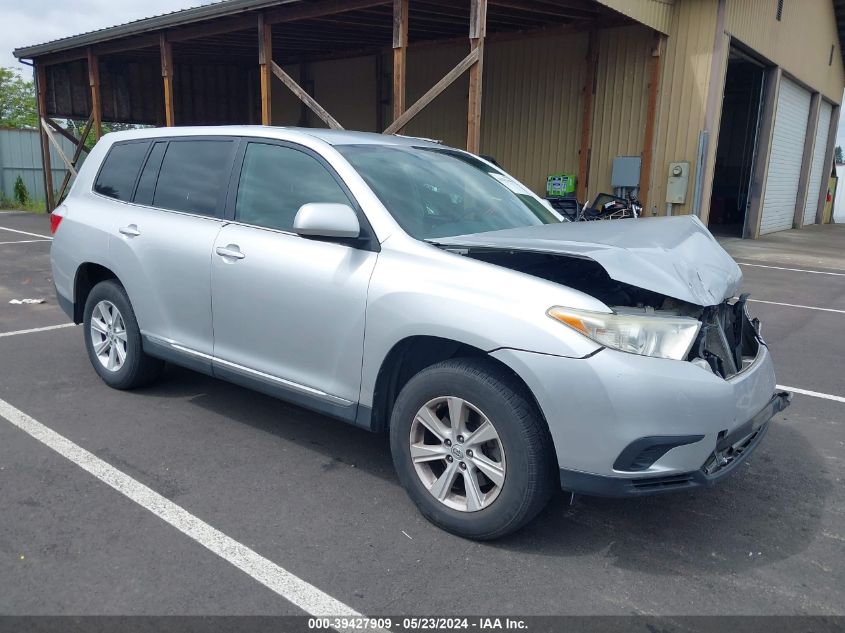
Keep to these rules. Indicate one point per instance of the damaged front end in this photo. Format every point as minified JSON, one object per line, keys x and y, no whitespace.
{"x":670,"y":292}
{"x":729,"y":339}
{"x":697,"y":279}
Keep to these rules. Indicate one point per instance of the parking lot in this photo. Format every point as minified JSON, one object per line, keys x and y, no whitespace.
{"x":317,"y":501}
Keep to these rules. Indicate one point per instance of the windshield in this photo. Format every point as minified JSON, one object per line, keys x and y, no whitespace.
{"x":434,"y":192}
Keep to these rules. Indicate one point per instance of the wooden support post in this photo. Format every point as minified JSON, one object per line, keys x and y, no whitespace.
{"x":94,"y":83}
{"x":306,"y":98}
{"x":651,"y":110}
{"x":265,"y":59}
{"x":477,"y":31}
{"x":46,"y":163}
{"x":587,"y":116}
{"x":400,"y":56}
{"x":166,"y":50}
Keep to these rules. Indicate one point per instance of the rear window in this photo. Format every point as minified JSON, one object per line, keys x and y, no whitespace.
{"x":120,"y":170}
{"x":193,"y":175}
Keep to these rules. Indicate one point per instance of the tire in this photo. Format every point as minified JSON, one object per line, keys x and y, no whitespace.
{"x":526,"y":465}
{"x":108,"y":304}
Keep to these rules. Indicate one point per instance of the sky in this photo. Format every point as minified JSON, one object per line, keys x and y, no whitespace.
{"x":29,"y":22}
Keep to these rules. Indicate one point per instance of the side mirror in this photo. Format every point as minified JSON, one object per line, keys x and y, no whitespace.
{"x":326,"y":219}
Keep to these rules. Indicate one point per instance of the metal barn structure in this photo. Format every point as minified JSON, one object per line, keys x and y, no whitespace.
{"x":741,"y":97}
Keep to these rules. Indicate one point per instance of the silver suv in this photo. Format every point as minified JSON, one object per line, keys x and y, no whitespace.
{"x":407,"y":287}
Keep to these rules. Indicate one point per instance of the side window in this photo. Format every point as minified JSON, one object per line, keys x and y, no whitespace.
{"x":149,"y":176}
{"x":192,"y":176}
{"x":120,"y":170}
{"x":275,"y":181}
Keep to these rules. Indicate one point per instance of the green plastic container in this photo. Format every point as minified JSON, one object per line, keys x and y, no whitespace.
{"x":560,"y":185}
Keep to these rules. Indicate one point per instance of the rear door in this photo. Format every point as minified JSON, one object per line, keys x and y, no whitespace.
{"x":162,"y":239}
{"x":288,"y":310}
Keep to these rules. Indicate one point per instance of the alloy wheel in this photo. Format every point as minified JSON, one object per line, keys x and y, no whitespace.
{"x":108,"y":335}
{"x":457,"y":454}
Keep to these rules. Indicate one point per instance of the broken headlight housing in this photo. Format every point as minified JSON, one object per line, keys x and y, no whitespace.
{"x":645,"y":334}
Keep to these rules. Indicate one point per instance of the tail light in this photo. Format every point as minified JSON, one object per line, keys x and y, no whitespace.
{"x":55,"y":220}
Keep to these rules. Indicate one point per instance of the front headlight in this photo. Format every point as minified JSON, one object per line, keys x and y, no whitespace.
{"x":648,"y":335}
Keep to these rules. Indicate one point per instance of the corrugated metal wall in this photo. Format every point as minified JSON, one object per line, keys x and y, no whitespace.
{"x":132,"y":93}
{"x":286,"y":108}
{"x":533,"y":105}
{"x":684,"y":82}
{"x":621,"y":98}
{"x":20,"y":155}
{"x":800,"y":42}
{"x":654,"y":13}
{"x":347,"y":89}
{"x":533,"y":100}
{"x":445,"y":118}
{"x":530,"y":136}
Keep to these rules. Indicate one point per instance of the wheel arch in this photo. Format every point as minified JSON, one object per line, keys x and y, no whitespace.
{"x":410,"y":356}
{"x":88,"y":275}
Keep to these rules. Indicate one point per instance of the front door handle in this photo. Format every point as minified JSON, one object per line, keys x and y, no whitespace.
{"x":232,"y":250}
{"x":130,"y":231}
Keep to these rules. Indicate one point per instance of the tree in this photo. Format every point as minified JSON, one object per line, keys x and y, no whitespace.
{"x":17,"y":100}
{"x":837,"y":155}
{"x":20,"y":191}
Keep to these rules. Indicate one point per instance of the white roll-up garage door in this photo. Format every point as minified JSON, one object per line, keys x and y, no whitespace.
{"x":793,"y":110}
{"x":814,"y":185}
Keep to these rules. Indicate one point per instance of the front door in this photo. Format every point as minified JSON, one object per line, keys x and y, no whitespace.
{"x":288,"y":311}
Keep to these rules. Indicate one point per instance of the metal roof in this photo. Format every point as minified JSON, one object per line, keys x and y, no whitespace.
{"x":145,"y":25}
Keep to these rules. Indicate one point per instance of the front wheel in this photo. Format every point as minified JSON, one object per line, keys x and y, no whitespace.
{"x":471,"y":448}
{"x":113,"y":339}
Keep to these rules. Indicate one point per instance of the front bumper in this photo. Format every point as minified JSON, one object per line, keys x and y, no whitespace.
{"x":730,"y":452}
{"x":596,"y":407}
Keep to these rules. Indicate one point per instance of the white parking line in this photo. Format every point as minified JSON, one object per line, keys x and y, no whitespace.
{"x":290,"y":587}
{"x":37,"y":329}
{"x":25,"y":241}
{"x":46,"y":237}
{"x":794,"y":270}
{"x":814,"y":394}
{"x":795,"y":305}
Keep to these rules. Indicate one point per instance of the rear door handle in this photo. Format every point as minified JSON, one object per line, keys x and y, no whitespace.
{"x":232,"y":250}
{"x":130,"y":231}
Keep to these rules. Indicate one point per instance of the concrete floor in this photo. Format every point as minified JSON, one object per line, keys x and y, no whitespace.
{"x":815,"y":246}
{"x":320,"y":498}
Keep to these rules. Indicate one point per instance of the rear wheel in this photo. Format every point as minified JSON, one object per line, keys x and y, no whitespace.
{"x":471,"y":449}
{"x":113,"y":339}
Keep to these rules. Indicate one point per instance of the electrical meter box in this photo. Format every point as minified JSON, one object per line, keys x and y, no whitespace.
{"x":625,"y":172}
{"x":676,"y":186}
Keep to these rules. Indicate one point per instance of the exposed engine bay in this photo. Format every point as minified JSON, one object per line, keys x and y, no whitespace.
{"x":726,"y":344}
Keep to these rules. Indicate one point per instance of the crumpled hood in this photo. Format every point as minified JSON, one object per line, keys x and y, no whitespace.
{"x":675,"y":256}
